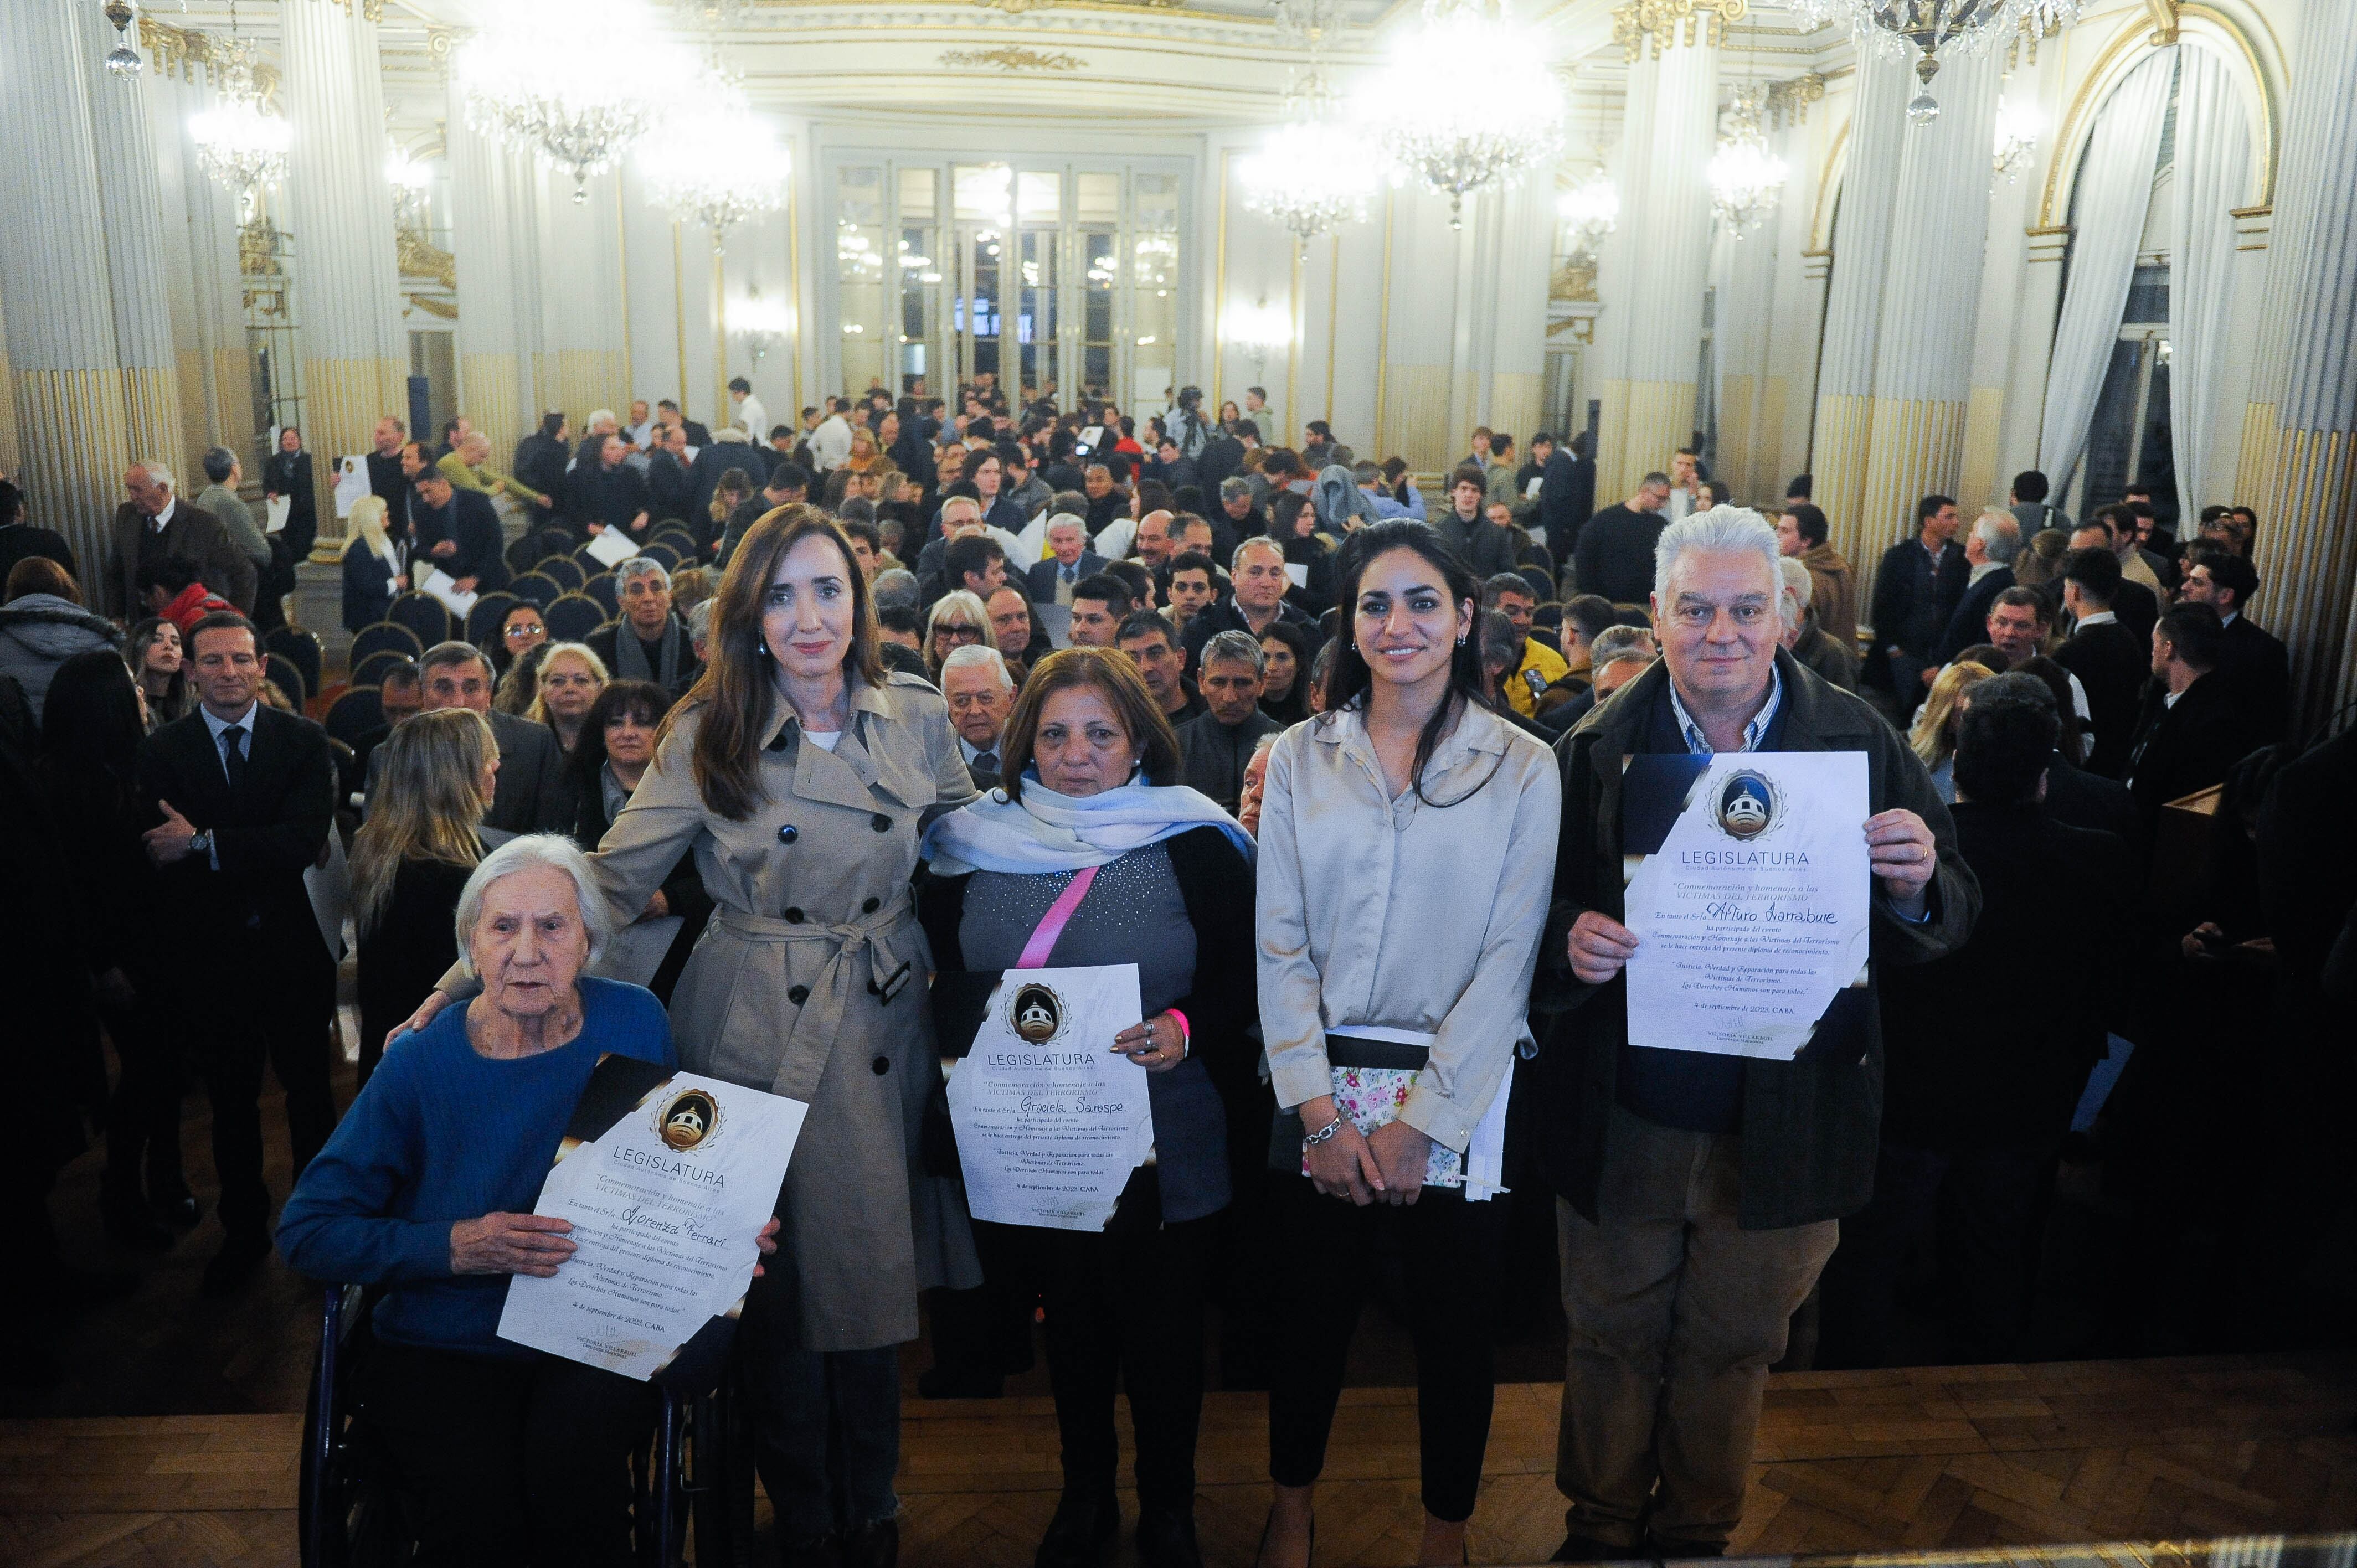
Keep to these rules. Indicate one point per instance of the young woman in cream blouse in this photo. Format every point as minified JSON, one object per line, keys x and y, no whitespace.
{"x":1408,"y":847}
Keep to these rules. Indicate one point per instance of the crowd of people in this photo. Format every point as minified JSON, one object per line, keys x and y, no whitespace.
{"x":1339,"y":767}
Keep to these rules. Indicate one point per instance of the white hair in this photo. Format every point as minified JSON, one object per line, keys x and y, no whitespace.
{"x":1063,"y":518}
{"x":531,"y":852}
{"x":598,"y":416}
{"x":638,"y":566}
{"x":959,"y":606}
{"x":156,"y":472}
{"x":1723,"y":529}
{"x":1999,"y":532}
{"x":1800,"y":587}
{"x":974,"y":656}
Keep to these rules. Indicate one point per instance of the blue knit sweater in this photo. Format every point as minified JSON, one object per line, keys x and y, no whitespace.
{"x":441,"y":1134}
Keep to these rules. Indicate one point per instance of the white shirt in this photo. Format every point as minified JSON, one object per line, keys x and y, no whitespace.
{"x":171,"y":504}
{"x":754,"y":417}
{"x":2100,"y":617}
{"x":640,"y":433}
{"x":220,"y":727}
{"x":831,"y":443}
{"x":1983,"y":570}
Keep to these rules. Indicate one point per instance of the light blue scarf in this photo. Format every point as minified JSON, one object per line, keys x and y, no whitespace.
{"x":1046,"y":832}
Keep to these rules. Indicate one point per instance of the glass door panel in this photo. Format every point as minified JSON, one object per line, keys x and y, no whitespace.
{"x":860,"y":275}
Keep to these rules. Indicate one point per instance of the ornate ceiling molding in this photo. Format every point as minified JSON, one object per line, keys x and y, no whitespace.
{"x":1008,"y":59}
{"x":1788,"y":102}
{"x":1669,"y":23}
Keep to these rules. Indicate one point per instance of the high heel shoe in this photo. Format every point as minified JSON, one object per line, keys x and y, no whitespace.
{"x":1261,"y":1551}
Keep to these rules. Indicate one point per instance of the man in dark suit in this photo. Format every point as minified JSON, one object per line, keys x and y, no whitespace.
{"x":1989,"y":549}
{"x":2136,"y":601}
{"x":388,"y":477}
{"x":1916,"y":590}
{"x":245,"y":797}
{"x":699,"y":435}
{"x":2110,"y":663}
{"x":459,"y":531}
{"x":605,"y":491}
{"x":981,"y":694}
{"x":1566,"y":491}
{"x":157,"y":525}
{"x":2255,"y":663}
{"x":2192,"y":734}
{"x":1614,"y":558}
{"x":670,"y":492}
{"x":728,"y":450}
{"x":1072,"y":560}
{"x":531,"y":796}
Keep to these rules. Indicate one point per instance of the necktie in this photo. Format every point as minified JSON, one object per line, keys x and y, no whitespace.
{"x":1070,"y":573}
{"x":233,"y":744}
{"x":986,"y":762}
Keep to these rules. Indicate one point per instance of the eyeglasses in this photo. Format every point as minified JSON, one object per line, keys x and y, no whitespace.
{"x":518,"y":633}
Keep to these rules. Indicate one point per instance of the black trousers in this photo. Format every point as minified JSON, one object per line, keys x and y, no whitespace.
{"x":506,"y":1462}
{"x":1125,"y":1312}
{"x":269,"y":1008}
{"x":142,"y":1114}
{"x":1447,"y":1252}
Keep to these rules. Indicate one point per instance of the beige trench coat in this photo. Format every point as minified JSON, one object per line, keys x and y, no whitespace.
{"x":810,"y":981}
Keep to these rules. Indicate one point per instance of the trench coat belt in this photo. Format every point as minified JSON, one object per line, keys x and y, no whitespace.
{"x":882,"y":939}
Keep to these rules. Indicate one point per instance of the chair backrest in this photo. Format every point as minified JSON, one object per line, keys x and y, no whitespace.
{"x":369,"y":671}
{"x":537,"y":587}
{"x":572,"y":617}
{"x":678,"y":536}
{"x":564,"y":571}
{"x":601,"y":588}
{"x":483,"y":620}
{"x":660,"y":550}
{"x":289,"y":678}
{"x":302,"y":648}
{"x":423,"y":615}
{"x":385,"y":636}
{"x":360,"y":710}
{"x":524,"y":553}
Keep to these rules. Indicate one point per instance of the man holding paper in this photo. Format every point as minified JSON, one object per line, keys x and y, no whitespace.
{"x":1700,"y":1176}
{"x":458,"y":533}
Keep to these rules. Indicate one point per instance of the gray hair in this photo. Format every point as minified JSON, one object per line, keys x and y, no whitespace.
{"x":1238,"y":646}
{"x":1999,"y":532}
{"x":1234,"y":484}
{"x":1265,"y":745}
{"x":1799,"y":586}
{"x":1061,"y":518}
{"x":638,"y":566}
{"x":531,"y":852}
{"x":1253,"y":541}
{"x":959,"y":606}
{"x":1723,"y":529}
{"x":454,"y":651}
{"x":1614,"y":643}
{"x":699,"y":620}
{"x":158,"y":472}
{"x":896,"y":586}
{"x":980,"y":656}
{"x":598,"y":416}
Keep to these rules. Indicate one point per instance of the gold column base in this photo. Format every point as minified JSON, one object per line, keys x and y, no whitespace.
{"x":342,"y":401}
{"x":151,"y":412}
{"x":1656,"y":418}
{"x":1980,"y":484}
{"x":78,"y":421}
{"x":1736,"y":437}
{"x":1612,"y":442}
{"x":1415,"y":411}
{"x":1845,"y":430}
{"x":1515,"y":400}
{"x":1916,"y":445}
{"x":2306,"y":551}
{"x":489,"y":393}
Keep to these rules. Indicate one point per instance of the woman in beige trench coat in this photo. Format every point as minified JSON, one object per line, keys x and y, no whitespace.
{"x":800,"y":774}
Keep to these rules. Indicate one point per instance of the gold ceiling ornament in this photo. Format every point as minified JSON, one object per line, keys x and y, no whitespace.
{"x":1669,"y":23}
{"x":1574,"y":280}
{"x":257,"y":248}
{"x":186,"y":53}
{"x":1788,"y":102}
{"x":443,"y":308}
{"x":419,"y":258}
{"x":1009,"y":59}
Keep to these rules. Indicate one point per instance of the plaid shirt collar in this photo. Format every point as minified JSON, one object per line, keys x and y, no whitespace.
{"x":1753,"y":733}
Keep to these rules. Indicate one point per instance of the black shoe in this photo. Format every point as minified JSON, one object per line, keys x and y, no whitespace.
{"x":819,"y":1551}
{"x":954,"y":1384}
{"x":876,"y":1544}
{"x":1166,"y":1538}
{"x":233,"y":1266}
{"x":1084,"y":1524}
{"x":1578,"y":1548}
{"x":130,"y":1223}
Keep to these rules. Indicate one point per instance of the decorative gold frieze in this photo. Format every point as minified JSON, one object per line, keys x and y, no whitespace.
{"x":419,"y":259}
{"x":1574,"y":280}
{"x":1669,"y":23}
{"x":1790,"y":100}
{"x":1009,"y":59}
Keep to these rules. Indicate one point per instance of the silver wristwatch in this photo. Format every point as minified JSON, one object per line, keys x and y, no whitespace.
{"x":202,"y":842}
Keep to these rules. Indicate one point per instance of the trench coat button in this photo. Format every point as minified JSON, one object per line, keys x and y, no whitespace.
{"x":789,"y":833}
{"x":881,"y":1065}
{"x":870,"y":905}
{"x":793,"y":915}
{"x":880,"y":822}
{"x":798,"y":994}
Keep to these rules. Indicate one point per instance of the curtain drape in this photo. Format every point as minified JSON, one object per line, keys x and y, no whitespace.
{"x":2213,"y":151}
{"x":2107,"y":221}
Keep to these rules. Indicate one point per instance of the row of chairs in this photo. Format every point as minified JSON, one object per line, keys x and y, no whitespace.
{"x":670,"y":542}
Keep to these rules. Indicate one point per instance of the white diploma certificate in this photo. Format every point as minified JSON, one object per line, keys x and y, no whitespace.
{"x":352,"y":484}
{"x":666,"y":1203}
{"x":441,"y":586}
{"x":1752,"y":913}
{"x":1050,"y":1123}
{"x":613,"y":547}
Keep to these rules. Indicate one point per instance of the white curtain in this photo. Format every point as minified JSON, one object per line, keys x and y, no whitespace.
{"x":2213,"y":151}
{"x":2114,"y":189}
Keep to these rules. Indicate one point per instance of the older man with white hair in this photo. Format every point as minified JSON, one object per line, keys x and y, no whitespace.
{"x":1700,"y":1193}
{"x":154,"y":525}
{"x":1989,"y":549}
{"x":981,"y":694}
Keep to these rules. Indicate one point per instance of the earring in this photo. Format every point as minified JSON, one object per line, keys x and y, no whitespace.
{"x":1462,"y":637}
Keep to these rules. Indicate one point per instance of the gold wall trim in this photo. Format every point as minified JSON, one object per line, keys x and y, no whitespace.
{"x":1384,"y":323}
{"x":342,"y":401}
{"x":1333,"y":320}
{"x":1914,"y":447}
{"x":1819,"y":241}
{"x":1220,"y":292}
{"x":622,"y":260}
{"x":1845,"y":421}
{"x":679,"y":312}
{"x":75,"y":420}
{"x":2309,"y":575}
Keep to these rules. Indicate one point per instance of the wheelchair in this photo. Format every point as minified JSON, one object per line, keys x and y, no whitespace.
{"x":694,"y":1477}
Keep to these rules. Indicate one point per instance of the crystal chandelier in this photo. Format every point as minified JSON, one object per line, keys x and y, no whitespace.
{"x":1589,"y":209}
{"x":1891,"y":27}
{"x":241,"y":144}
{"x":2017,"y":125}
{"x":715,"y":163}
{"x":122,"y":59}
{"x":1746,"y":180}
{"x":1310,"y":175}
{"x":576,"y":83}
{"x":1468,"y":101}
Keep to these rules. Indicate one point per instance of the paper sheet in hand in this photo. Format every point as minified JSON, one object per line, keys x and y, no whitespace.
{"x":1750,"y":906}
{"x":613,"y":547}
{"x":441,"y":586}
{"x":352,"y":484}
{"x":667,"y":1179}
{"x":1050,"y":1122}
{"x":279,"y":508}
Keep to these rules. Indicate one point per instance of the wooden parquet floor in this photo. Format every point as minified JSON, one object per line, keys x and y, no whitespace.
{"x":1850,"y":1463}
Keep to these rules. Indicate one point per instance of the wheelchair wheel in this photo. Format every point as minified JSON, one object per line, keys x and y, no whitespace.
{"x":347,"y":1515}
{"x":719,"y":1478}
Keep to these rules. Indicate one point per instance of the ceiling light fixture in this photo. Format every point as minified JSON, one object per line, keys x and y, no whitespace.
{"x":1958,"y":27}
{"x":1468,"y":101}
{"x":677,"y":160}
{"x":2018,"y":129}
{"x":577,"y":82}
{"x":1746,"y":180}
{"x":241,"y":144}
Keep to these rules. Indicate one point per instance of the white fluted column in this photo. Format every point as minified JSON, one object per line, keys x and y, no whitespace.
{"x":131,"y":212}
{"x":355,"y":350}
{"x":1861,"y":255}
{"x":526,"y":195}
{"x":2299,"y":451}
{"x":1930,"y":301}
{"x":71,"y":416}
{"x":1516,"y":324}
{"x":491,"y":389}
{"x":1654,"y":281}
{"x":201,"y":272}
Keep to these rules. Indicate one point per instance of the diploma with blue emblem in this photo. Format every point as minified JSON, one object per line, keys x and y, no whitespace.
{"x":667,"y":1179}
{"x":1749,"y":889}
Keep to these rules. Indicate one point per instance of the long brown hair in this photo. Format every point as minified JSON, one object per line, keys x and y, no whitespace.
{"x":732,"y":698}
{"x":428,"y":807}
{"x":1113,"y":675}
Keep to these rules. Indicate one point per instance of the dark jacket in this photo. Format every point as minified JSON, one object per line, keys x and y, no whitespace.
{"x":683,"y":890}
{"x":606,"y":643}
{"x":20,"y":541}
{"x":1809,"y":1125}
{"x":1991,"y":1044}
{"x":713,"y":461}
{"x":1567,"y":500}
{"x":2186,"y":746}
{"x":412,"y":941}
{"x":670,"y":490}
{"x":1212,"y":755}
{"x":1223,"y":615}
{"x":194,"y":535}
{"x":2115,"y":667}
{"x":368,"y":591}
{"x":469,"y":523}
{"x":541,"y":462}
{"x":39,"y":632}
{"x":610,"y":497}
{"x":1615,"y":554}
{"x":1825,"y":658}
{"x":1040,"y":576}
{"x":2078,"y":799}
{"x":532,"y":795}
{"x":288,"y":474}
{"x":1968,"y":624}
{"x":1913,"y":598}
{"x":2138,"y":608}
{"x":2259,"y":668}
{"x":1485,"y":547}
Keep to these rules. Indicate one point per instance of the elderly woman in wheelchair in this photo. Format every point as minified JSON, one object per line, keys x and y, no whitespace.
{"x":502,"y":1454}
